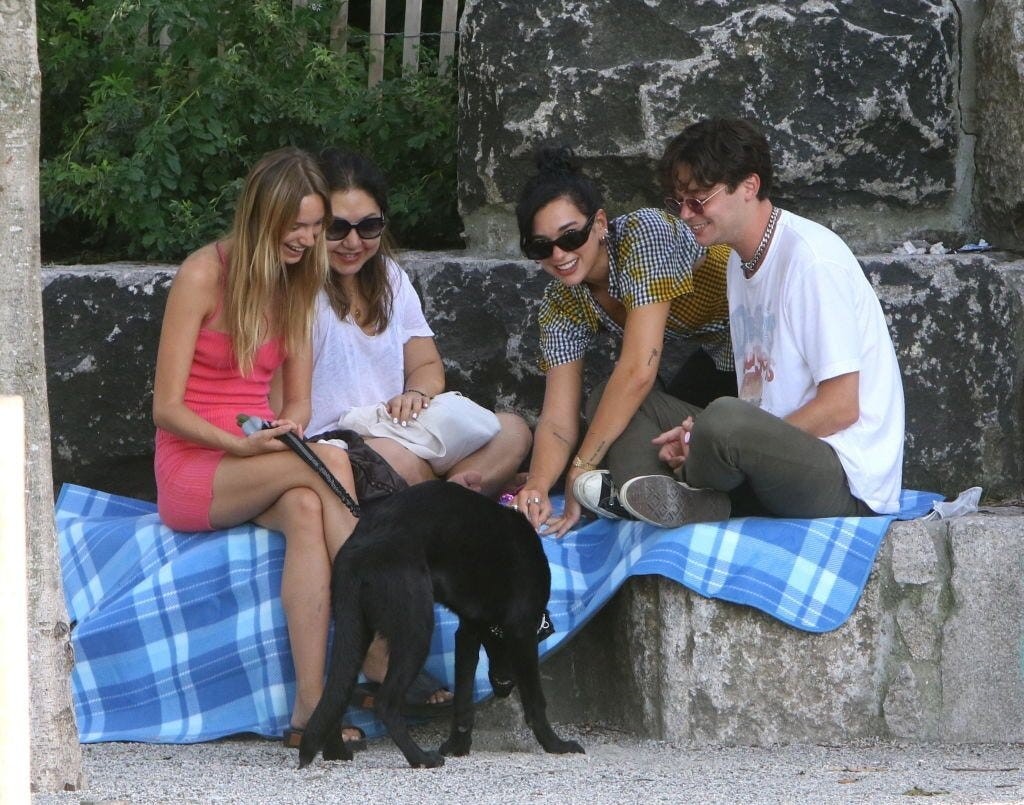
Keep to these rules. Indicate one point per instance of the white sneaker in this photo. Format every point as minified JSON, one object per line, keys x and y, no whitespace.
{"x":668,"y":503}
{"x":595,"y":492}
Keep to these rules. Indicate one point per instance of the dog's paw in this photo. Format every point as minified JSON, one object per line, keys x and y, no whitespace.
{"x":430,"y":760}
{"x":305,"y":759}
{"x":457,"y":745}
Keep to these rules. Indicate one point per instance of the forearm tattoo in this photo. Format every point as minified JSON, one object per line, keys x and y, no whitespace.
{"x":554,"y":432}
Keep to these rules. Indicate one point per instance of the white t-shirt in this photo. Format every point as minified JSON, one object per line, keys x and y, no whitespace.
{"x":810,"y":314}
{"x":351,"y":368}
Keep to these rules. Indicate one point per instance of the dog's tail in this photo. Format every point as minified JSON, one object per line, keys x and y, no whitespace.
{"x":351,"y":641}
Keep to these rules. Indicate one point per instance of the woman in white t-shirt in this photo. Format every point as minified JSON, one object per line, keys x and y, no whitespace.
{"x":372,"y":343}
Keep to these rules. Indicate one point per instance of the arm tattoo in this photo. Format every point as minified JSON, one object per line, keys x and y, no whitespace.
{"x":554,"y":431}
{"x":654,"y":357}
{"x":594,"y":456}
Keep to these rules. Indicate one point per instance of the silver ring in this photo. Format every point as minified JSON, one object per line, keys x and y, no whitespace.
{"x":534,"y":500}
{"x":514,"y":507}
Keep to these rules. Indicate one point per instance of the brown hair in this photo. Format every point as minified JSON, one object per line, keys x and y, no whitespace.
{"x":719,"y":149}
{"x":346,"y":170}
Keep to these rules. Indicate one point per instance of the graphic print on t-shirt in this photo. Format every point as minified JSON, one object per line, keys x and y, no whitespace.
{"x":753,"y":332}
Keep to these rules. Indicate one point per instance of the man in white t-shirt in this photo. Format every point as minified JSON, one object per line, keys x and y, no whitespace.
{"x":817,"y":430}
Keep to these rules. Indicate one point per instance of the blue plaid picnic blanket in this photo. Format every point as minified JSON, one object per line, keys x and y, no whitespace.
{"x":180,"y":638}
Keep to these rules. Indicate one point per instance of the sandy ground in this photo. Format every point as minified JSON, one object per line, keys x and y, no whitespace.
{"x":510,"y":768}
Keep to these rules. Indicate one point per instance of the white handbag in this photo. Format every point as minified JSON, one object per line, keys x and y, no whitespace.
{"x":449,"y":429}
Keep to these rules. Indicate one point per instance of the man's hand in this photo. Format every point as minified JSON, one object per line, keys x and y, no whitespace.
{"x":675,"y":444}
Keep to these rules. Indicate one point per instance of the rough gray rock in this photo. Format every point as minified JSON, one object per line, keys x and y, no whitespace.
{"x":983,"y":641}
{"x":957,"y":321}
{"x":857,"y":99}
{"x":958,"y":325}
{"x":102,"y":325}
{"x":668,"y":663}
{"x":1000,"y":185}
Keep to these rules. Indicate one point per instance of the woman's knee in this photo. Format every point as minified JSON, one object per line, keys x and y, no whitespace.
{"x":336,"y":460}
{"x":298,"y":506}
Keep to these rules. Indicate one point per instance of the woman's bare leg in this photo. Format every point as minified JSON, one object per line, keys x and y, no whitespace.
{"x":497,"y":461}
{"x":305,"y":592}
{"x":244,"y":488}
{"x":412,"y":468}
{"x":279,"y":491}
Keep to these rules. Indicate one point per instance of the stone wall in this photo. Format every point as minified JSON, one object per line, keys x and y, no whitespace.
{"x":869,"y":107}
{"x":1000,"y":122}
{"x":957,"y":321}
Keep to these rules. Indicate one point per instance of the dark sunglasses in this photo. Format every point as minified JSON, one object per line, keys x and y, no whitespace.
{"x":542,"y":248}
{"x":368,"y":228}
{"x":692,"y":203}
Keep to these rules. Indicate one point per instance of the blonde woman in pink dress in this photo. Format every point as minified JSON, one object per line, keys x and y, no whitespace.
{"x":239,"y":310}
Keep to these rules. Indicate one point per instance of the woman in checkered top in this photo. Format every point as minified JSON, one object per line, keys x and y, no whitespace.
{"x":642,"y":277}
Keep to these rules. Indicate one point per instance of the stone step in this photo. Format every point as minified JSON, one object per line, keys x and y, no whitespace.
{"x":934,"y":651}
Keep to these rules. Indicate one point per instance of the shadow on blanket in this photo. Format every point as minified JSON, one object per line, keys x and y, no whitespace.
{"x":180,"y":638}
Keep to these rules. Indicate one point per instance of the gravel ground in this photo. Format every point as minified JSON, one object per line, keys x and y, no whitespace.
{"x":509,"y":767}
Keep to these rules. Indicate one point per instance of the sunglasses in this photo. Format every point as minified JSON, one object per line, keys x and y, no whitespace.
{"x":368,"y":228}
{"x":692,"y":203}
{"x":542,"y":248}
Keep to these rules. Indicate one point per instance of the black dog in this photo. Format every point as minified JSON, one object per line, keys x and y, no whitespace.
{"x":436,"y":541}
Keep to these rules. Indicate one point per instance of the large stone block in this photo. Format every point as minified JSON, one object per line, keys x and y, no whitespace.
{"x":1000,"y":127}
{"x":933,"y":651}
{"x":857,"y":99}
{"x":102,"y":325}
{"x":957,"y":321}
{"x":983,"y":639}
{"x":958,"y":325}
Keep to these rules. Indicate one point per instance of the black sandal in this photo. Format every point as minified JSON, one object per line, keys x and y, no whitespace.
{"x":416,"y":705}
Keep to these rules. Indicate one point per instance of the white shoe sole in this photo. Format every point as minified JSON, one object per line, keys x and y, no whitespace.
{"x":667,"y":503}
{"x":587,"y":490}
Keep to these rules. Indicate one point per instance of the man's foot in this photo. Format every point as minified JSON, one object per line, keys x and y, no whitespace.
{"x":595,"y":492}
{"x":668,"y":503}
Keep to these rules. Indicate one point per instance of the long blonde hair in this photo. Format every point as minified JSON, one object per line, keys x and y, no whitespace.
{"x":264,"y":298}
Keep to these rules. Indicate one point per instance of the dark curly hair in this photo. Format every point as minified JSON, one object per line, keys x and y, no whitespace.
{"x":718,"y":149}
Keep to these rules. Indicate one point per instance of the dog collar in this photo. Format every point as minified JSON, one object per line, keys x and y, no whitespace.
{"x":544,"y":630}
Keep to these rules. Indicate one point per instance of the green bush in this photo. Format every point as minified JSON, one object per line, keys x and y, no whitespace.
{"x":145,"y":145}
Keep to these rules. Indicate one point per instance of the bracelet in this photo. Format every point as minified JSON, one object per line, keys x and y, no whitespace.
{"x":416,"y":391}
{"x":584,"y":465}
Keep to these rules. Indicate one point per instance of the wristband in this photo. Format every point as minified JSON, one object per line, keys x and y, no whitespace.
{"x":416,"y":391}
{"x":583,"y":465}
